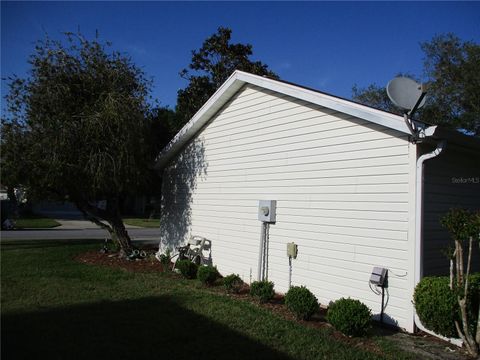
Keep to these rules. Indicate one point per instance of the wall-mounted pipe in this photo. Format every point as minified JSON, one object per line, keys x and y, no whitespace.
{"x":418,"y":232}
{"x":419,"y":208}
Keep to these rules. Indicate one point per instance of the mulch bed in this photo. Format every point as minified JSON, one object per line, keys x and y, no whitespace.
{"x":277,"y":305}
{"x":149,"y":264}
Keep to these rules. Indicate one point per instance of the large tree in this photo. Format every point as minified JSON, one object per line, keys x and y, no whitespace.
{"x":77,"y":129}
{"x":210,"y":66}
{"x":452,"y":69}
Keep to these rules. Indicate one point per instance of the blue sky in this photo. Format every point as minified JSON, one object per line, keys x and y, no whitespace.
{"x":325,"y":45}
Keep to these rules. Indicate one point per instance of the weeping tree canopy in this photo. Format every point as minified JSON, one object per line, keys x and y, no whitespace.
{"x":210,"y":67}
{"x":77,"y":129}
{"x":452,"y":70}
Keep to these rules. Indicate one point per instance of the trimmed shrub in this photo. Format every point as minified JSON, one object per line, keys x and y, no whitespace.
{"x":349,"y":316}
{"x":262,"y":290}
{"x":301,"y":302}
{"x":232,"y":283}
{"x":437,"y":305}
{"x":187,"y":268}
{"x":207,"y":275}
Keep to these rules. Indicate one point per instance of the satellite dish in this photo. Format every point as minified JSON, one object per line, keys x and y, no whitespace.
{"x":406,"y":93}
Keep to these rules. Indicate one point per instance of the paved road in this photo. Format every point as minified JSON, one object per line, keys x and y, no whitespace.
{"x":138,"y":234}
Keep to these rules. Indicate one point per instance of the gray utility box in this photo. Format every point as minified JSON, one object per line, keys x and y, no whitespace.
{"x":267,"y":210}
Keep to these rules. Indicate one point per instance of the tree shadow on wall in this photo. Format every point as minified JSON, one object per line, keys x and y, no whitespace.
{"x":179,"y":183}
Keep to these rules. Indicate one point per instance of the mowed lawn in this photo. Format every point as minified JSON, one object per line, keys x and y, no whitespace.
{"x":36,"y":222}
{"x":56,"y":308}
{"x":142,"y":222}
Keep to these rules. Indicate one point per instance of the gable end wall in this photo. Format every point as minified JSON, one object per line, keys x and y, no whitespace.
{"x":342,"y":189}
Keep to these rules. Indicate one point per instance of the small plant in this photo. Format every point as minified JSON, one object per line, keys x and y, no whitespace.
{"x":437,"y":306}
{"x":349,"y":316}
{"x":232,"y":283}
{"x":464,"y":228}
{"x":301,"y":302}
{"x":262,"y":290}
{"x":187,"y":268}
{"x":165,"y":259}
{"x":207,"y":275}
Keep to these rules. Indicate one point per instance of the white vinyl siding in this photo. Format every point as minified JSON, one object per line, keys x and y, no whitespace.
{"x":452,"y":180}
{"x":342,"y":191}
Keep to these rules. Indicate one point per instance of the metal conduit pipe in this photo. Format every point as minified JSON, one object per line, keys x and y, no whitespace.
{"x":418,"y":233}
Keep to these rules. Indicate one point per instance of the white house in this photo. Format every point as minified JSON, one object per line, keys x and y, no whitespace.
{"x":348,"y":182}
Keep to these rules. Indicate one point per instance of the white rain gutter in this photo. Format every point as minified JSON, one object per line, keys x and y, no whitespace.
{"x":418,"y":229}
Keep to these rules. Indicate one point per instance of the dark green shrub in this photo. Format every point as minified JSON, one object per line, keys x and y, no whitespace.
{"x":232,"y":283}
{"x":301,"y":302}
{"x":437,"y":305}
{"x":187,"y":268}
{"x":349,"y":316}
{"x":207,"y":275}
{"x":262,"y":290}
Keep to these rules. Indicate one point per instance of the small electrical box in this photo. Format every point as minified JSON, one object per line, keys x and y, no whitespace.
{"x":378,"y":276}
{"x":266,"y":210}
{"x":292,"y":250}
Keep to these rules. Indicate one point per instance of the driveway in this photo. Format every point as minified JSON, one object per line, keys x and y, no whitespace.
{"x":79,"y":229}
{"x":75,"y":224}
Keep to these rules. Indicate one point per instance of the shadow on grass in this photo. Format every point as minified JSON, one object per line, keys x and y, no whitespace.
{"x":148,"y":328}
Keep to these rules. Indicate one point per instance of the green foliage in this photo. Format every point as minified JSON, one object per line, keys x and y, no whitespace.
{"x":301,"y":302}
{"x":262,"y":290}
{"x":165,"y":259}
{"x":207,"y":275}
{"x":462,"y":224}
{"x":349,"y":316}
{"x":212,"y":64}
{"x":437,"y":305}
{"x":232,"y":283}
{"x":78,"y":129}
{"x":187,"y":268}
{"x":452,"y":68}
{"x":75,"y":297}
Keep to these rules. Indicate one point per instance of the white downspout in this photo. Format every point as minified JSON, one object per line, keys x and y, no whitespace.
{"x":418,"y":232}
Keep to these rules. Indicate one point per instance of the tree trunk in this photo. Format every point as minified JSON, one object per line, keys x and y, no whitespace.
{"x":116,"y":228}
{"x":120,"y":235}
{"x":462,"y":284}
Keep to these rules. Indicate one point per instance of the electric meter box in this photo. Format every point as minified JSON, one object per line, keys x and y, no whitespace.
{"x":292,"y":250}
{"x":267,"y":210}
{"x":378,"y":276}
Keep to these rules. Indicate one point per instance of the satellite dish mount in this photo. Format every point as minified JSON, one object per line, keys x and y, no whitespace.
{"x":408,"y":95}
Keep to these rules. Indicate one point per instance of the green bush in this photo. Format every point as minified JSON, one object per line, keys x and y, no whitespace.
{"x":349,"y":316}
{"x":207,"y":275}
{"x":262,"y":290}
{"x":232,"y":283}
{"x":301,"y":302}
{"x":187,"y":268}
{"x":437,"y":305}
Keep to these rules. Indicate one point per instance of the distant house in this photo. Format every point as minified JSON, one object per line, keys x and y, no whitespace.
{"x":352,"y":190}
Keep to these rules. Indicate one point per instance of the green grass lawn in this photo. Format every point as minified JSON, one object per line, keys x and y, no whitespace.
{"x":35,"y":222}
{"x":148,"y":223}
{"x":56,"y":308}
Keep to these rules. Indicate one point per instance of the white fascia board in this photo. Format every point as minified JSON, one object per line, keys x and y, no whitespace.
{"x":239,"y":78}
{"x":199,"y":120}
